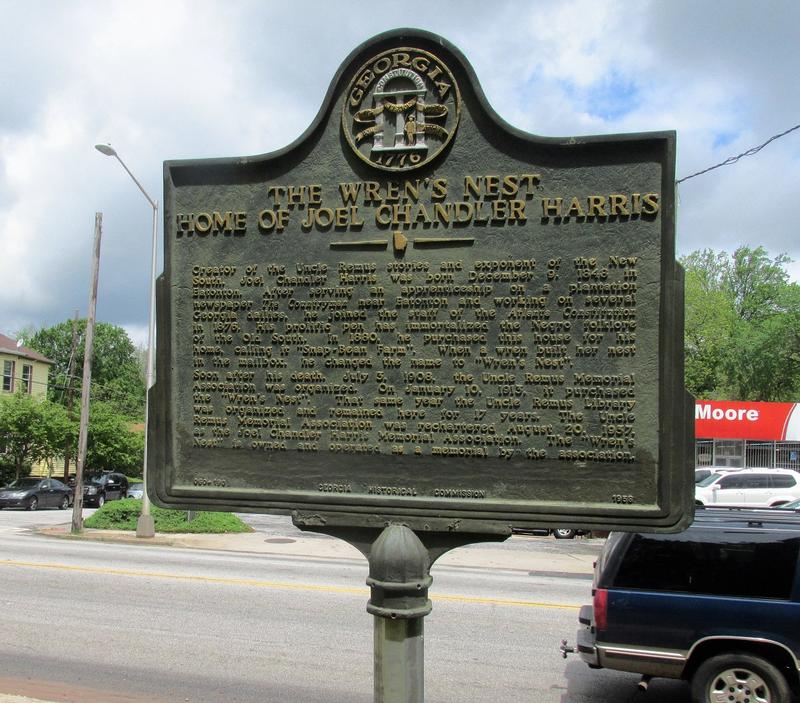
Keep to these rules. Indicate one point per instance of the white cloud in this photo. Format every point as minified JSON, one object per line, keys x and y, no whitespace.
{"x":138,"y":334}
{"x":212,"y":78}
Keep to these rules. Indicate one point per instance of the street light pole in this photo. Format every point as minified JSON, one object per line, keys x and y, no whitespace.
{"x":145,"y":526}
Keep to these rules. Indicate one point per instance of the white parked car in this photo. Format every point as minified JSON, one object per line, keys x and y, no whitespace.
{"x":752,"y":488}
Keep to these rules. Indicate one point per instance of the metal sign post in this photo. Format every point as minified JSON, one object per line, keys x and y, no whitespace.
{"x":399,"y":577}
{"x":400,"y":561}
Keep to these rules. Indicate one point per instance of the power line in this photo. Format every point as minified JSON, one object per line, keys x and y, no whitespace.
{"x":104,"y":391}
{"x":733,"y":159}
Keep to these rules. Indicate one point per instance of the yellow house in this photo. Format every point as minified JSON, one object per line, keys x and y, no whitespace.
{"x":22,"y":368}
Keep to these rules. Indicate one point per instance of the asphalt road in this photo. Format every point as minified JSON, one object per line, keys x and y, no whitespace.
{"x":102,"y":622}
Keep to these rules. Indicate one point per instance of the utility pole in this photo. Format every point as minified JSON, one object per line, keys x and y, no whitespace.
{"x":70,"y":392}
{"x":77,"y":506}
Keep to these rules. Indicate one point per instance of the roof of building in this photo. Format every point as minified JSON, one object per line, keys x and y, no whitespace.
{"x":11,"y":346}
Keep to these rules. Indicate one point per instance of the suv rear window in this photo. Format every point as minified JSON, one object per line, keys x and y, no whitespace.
{"x":724,"y":563}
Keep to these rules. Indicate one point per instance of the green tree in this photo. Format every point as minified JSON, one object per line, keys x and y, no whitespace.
{"x":31,"y":430}
{"x":764,"y":358}
{"x":112,"y":441}
{"x":742,"y":331}
{"x":708,"y":321}
{"x":116,"y":373}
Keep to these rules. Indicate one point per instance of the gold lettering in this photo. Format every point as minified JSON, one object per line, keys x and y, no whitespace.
{"x":420,"y":63}
{"x":596,"y":205}
{"x":510,"y":185}
{"x":650,"y":204}
{"x":492,"y":185}
{"x":372,"y":192}
{"x":575,"y":209}
{"x":439,"y":188}
{"x":517,"y":211}
{"x":273,"y":220}
{"x":551,"y":207}
{"x":618,"y":204}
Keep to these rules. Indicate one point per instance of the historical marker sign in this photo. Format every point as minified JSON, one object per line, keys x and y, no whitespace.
{"x":417,"y":312}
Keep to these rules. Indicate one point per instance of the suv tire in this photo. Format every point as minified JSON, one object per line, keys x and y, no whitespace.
{"x":742,"y":676}
{"x":101,"y":500}
{"x":564,"y":533}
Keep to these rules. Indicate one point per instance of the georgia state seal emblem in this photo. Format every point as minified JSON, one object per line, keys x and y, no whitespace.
{"x":401,"y":109}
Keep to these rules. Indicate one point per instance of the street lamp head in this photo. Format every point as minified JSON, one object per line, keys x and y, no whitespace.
{"x":106,"y":149}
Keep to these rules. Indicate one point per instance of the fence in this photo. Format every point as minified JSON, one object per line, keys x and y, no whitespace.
{"x":747,"y":454}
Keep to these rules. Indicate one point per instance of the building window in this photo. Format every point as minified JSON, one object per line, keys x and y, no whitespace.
{"x":704,"y":452}
{"x":729,"y":452}
{"x":27,"y":378}
{"x":8,"y":376}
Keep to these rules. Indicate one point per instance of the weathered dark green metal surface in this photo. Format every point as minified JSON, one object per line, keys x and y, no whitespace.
{"x":416,"y":312}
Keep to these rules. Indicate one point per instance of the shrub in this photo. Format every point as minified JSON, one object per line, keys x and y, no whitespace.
{"x":124,"y":514}
{"x":8,"y":470}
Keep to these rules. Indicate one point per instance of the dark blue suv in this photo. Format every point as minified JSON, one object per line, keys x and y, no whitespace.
{"x":717,"y":605}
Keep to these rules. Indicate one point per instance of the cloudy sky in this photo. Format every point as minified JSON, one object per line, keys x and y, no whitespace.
{"x":177,"y":79}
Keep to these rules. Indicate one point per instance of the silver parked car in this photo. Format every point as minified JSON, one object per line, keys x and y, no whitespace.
{"x":135,"y":490}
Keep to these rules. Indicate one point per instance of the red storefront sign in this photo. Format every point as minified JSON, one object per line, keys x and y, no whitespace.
{"x":723,"y":419}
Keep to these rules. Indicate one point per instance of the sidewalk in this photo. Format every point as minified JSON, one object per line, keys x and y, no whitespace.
{"x":44,"y":692}
{"x":31,"y":691}
{"x":478,"y":556}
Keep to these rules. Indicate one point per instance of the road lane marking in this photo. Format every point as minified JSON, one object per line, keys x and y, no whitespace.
{"x":182,"y":577}
{"x":276,"y":585}
{"x":506,"y":601}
